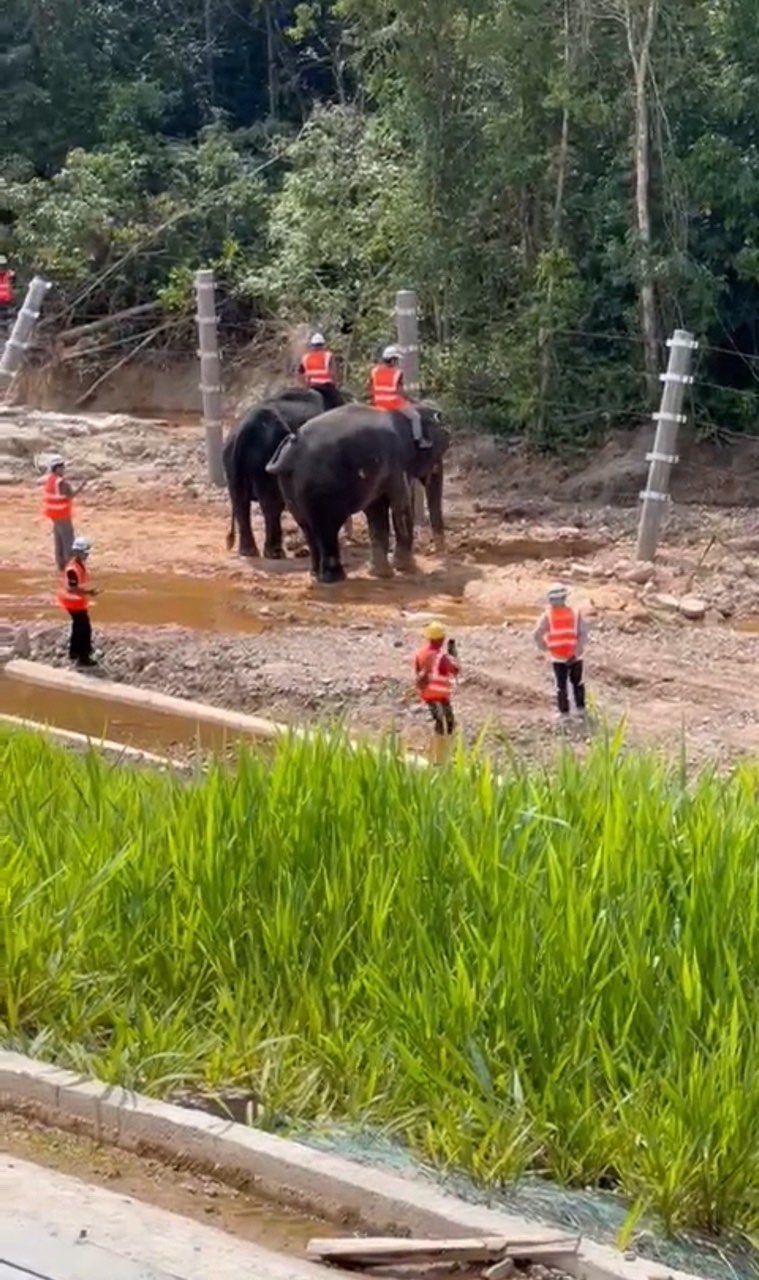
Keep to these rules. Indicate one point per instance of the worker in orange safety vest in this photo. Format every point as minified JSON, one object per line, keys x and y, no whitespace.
{"x":388,"y":392}
{"x":562,"y":633}
{"x":435,"y":669}
{"x":74,"y":596}
{"x":318,"y":369}
{"x":58,"y":507}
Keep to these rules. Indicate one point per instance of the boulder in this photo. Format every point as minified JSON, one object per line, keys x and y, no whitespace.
{"x":693,"y":608}
{"x":661,"y":601}
{"x":639,"y":573}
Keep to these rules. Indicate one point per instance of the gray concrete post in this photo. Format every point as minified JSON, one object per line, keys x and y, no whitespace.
{"x":407,"y":328}
{"x":13,"y":352}
{"x":210,"y":374}
{"x":662,"y":458}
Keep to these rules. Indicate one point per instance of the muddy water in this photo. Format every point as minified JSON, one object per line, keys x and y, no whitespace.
{"x":144,"y":599}
{"x":182,"y":1191}
{"x":135,"y":726}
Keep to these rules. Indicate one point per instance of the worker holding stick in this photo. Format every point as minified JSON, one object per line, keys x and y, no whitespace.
{"x":74,"y":596}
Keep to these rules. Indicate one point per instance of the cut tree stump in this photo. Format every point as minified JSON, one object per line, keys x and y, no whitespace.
{"x":386,"y":1251}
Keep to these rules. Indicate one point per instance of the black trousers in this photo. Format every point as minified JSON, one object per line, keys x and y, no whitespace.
{"x":567,"y":673}
{"x":442,"y":714}
{"x":80,"y":641}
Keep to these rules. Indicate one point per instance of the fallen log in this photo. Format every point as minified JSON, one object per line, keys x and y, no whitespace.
{"x":105,"y":322}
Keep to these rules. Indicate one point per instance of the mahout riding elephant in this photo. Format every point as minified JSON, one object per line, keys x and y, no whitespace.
{"x":250,"y":446}
{"x":355,"y":458}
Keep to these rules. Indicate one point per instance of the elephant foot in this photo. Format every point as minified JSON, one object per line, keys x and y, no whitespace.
{"x":438,"y":544}
{"x":404,"y":562}
{"x":249,"y":552}
{"x":274,"y":553}
{"x":381,"y":569}
{"x":332,"y":573}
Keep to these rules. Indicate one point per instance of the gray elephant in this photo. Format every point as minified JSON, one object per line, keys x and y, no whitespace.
{"x":355,"y":458}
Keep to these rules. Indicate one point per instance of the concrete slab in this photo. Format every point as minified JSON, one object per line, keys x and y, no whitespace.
{"x":54,"y":1227}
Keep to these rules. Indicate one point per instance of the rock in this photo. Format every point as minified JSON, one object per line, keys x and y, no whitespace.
{"x":7,"y":478}
{"x":693,"y":608}
{"x":639,"y":573}
{"x":6,"y":653}
{"x":581,"y":572}
{"x":22,"y":645}
{"x":671,"y":603}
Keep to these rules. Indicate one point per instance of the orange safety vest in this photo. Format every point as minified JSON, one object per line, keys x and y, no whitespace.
{"x":563,"y":632}
{"x":55,"y":505}
{"x":387,"y":384}
{"x":437,"y":687}
{"x":6,"y":287}
{"x":68,"y":599}
{"x":319,"y":368}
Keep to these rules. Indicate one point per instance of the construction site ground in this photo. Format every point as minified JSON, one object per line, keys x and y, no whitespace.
{"x":180,"y":614}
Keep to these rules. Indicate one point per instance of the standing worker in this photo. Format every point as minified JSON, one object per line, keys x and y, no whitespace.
{"x":387,"y":392}
{"x":74,"y":596}
{"x":435,"y":670}
{"x":318,"y":369}
{"x":6,"y":295}
{"x":58,"y":507}
{"x":562,"y":633}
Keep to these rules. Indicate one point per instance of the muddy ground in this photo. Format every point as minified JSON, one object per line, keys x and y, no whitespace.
{"x":180,"y":614}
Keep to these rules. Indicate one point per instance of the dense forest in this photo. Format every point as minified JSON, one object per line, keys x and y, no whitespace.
{"x":563,"y":181}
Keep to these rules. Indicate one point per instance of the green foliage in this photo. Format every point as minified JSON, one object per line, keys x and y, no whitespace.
{"x":477,"y":150}
{"x":557,"y":971}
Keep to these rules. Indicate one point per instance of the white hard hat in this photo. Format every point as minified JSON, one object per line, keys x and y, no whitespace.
{"x":317,"y":340}
{"x":557,"y":592}
{"x":55,"y":460}
{"x":82,"y":546}
{"x":391,"y":353}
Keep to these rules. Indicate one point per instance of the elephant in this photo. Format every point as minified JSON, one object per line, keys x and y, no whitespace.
{"x":356,"y":458}
{"x":246,"y":452}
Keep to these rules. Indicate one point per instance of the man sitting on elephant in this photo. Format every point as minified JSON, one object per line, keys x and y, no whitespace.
{"x":318,"y":370}
{"x":387,"y":392}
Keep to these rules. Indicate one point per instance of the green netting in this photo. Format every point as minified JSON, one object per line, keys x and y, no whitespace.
{"x":599,"y":1215}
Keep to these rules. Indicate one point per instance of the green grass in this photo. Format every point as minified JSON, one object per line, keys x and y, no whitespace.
{"x":558,"y":973}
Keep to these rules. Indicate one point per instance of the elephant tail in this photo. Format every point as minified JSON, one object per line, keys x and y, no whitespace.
{"x":281,"y":463}
{"x":230,"y":539}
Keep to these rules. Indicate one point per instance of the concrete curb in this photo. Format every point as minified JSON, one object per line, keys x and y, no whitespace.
{"x":278,"y":1168}
{"x":237,"y":722}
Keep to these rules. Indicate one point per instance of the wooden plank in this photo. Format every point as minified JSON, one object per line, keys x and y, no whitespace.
{"x":388,"y":1250}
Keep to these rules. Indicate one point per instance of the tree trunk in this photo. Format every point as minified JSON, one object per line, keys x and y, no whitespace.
{"x":545,"y":341}
{"x":641,"y":57}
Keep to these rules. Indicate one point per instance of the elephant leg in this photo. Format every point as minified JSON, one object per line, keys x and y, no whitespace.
{"x":272,"y":505}
{"x":328,"y":540}
{"x":248,"y":546}
{"x":377,"y":518}
{"x":313,"y":548}
{"x":433,"y":485}
{"x":403,"y":526}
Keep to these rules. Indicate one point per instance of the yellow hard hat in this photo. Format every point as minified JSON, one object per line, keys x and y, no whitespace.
{"x":435,"y":631}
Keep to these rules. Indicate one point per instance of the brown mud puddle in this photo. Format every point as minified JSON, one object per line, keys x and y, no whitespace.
{"x":150,"y":730}
{"x":251,"y":600}
{"x":203,"y":604}
{"x":179,"y":1190}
